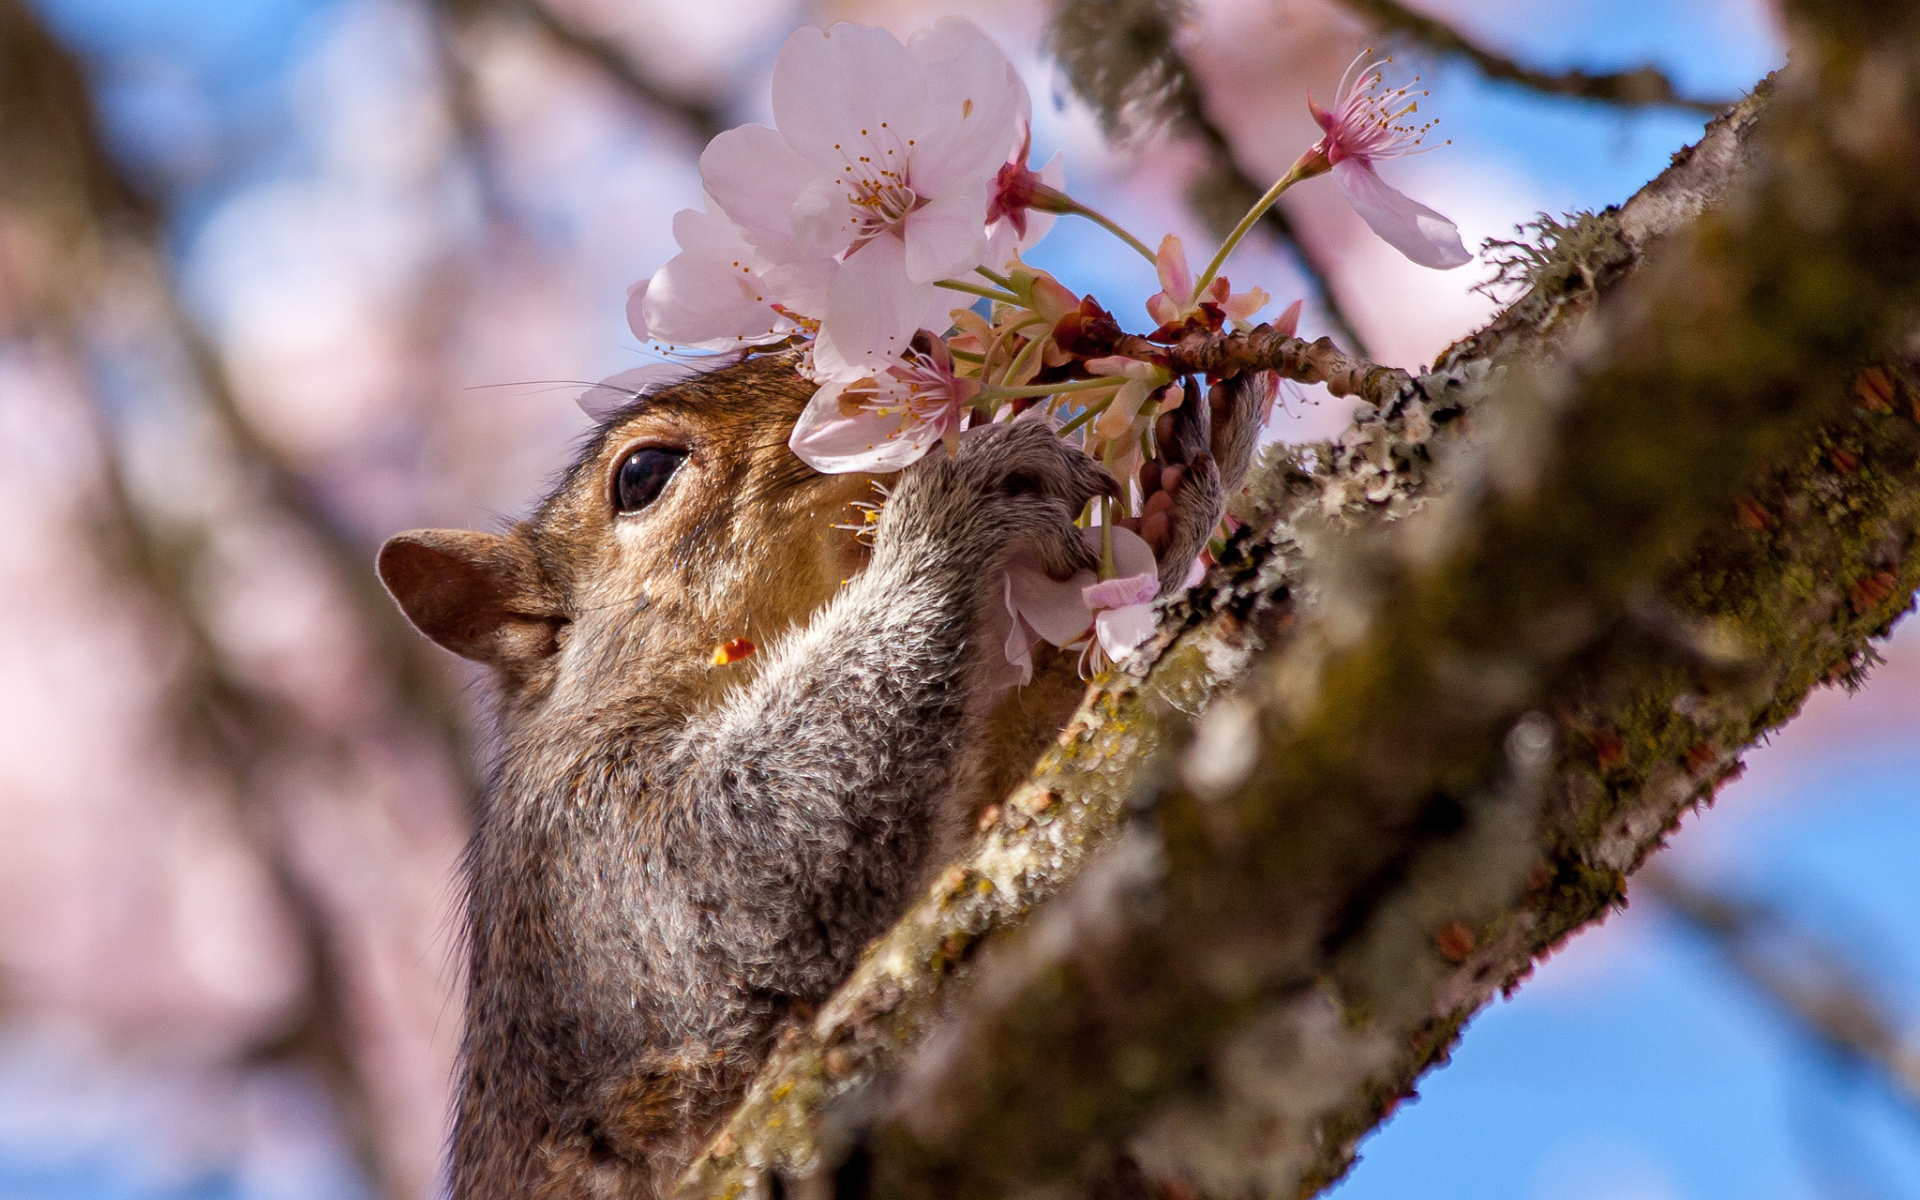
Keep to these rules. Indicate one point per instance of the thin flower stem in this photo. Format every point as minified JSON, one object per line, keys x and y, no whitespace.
{"x":999,"y":340}
{"x":1092,"y":411}
{"x":1107,"y":570}
{"x":1026,"y":351}
{"x":1113,"y":227}
{"x":1048,"y":389}
{"x":995,"y":277}
{"x":975,"y":289}
{"x":966,"y":355}
{"x":1260,"y":206}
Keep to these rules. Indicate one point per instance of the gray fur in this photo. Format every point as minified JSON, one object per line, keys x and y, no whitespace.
{"x":652,"y":891}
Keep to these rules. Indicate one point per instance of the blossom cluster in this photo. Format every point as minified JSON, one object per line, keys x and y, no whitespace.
{"x":881,"y":225}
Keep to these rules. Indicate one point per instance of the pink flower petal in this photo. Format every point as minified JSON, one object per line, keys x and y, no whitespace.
{"x":1410,"y":227}
{"x":848,"y":91}
{"x":1122,"y":591}
{"x":975,"y":102}
{"x":1176,"y":278}
{"x":1003,"y":630}
{"x":1122,"y":630}
{"x":947,"y":236}
{"x":707,"y":295}
{"x":615,"y":392}
{"x":636,"y":316}
{"x":1004,"y":241}
{"x":1052,"y":608}
{"x":755,"y":177}
{"x":873,"y":311}
{"x":1131,"y":554}
{"x":834,"y":443}
{"x":1288,"y":322}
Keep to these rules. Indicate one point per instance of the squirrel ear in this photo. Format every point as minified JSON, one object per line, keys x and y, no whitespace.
{"x":479,"y":595}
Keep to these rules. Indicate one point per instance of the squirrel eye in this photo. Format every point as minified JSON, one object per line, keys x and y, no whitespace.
{"x":643,"y":475}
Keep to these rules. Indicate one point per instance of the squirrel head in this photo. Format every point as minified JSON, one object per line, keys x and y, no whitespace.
{"x":685,"y":534}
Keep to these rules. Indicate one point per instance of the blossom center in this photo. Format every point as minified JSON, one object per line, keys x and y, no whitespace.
{"x":880,"y":205}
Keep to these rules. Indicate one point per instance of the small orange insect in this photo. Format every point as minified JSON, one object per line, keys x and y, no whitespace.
{"x":732,"y":651}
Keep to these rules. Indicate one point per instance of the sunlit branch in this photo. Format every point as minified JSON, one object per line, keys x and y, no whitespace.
{"x":1642,"y":87}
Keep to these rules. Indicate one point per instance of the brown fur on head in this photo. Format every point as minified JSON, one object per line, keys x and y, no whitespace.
{"x":582,"y":608}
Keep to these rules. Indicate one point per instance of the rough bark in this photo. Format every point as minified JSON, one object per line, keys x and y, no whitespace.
{"x":1218,"y":955}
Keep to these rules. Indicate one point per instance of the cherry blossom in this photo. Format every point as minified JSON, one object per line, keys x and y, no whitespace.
{"x":880,"y":164}
{"x":1361,"y":131}
{"x":1139,"y":380}
{"x":886,"y":422}
{"x":1122,"y":618}
{"x":1039,"y":606}
{"x":714,"y":294}
{"x":1023,"y":202}
{"x":1177,"y":300}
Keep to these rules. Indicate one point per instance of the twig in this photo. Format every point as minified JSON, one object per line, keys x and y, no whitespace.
{"x":1262,"y":348}
{"x":1642,"y":87}
{"x":1807,"y":982}
{"x":700,"y":116}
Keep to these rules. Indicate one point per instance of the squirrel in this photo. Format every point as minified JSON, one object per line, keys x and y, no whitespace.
{"x":681,"y":845}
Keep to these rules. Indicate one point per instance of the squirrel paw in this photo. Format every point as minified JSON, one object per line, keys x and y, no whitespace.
{"x":1008,"y":486}
{"x":1038,"y":485}
{"x":1205,"y":449}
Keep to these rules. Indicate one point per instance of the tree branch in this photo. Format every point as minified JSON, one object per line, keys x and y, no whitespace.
{"x":1642,"y":87}
{"x":1806,"y":981}
{"x":1460,"y":733}
{"x":701,"y":117}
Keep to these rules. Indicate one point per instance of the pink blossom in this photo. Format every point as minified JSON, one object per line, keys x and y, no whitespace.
{"x":1139,"y":380}
{"x":1023,"y":202}
{"x":880,"y":165}
{"x":887,"y":422}
{"x":1361,"y":131}
{"x":1122,"y":617}
{"x":1063,"y":611}
{"x":1176,"y":300}
{"x":714,"y":294}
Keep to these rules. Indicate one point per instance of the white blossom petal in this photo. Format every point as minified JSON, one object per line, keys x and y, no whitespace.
{"x":846,"y":92}
{"x":834,"y":443}
{"x":975,"y":102}
{"x":947,"y":237}
{"x":1410,"y":227}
